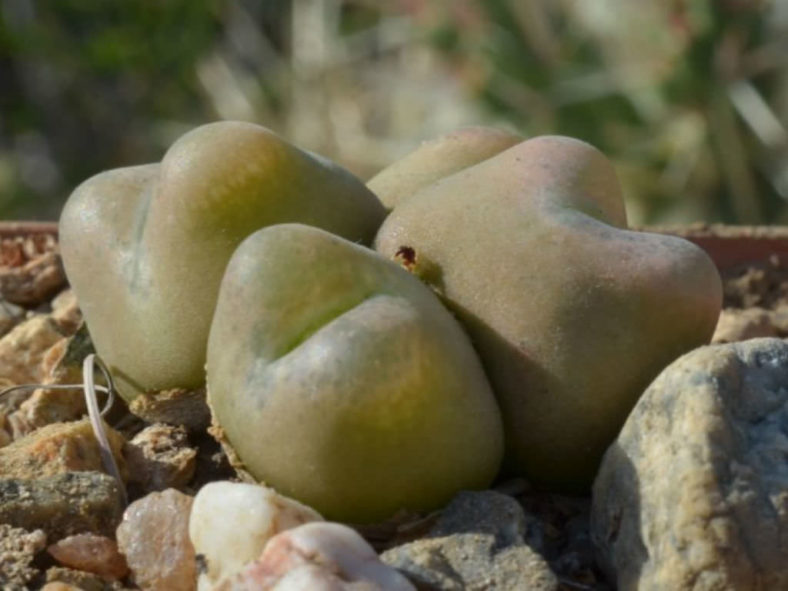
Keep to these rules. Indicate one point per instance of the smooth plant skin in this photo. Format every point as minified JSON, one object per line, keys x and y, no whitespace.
{"x":145,"y":247}
{"x":340,"y":380}
{"x":438,"y":158}
{"x":571,"y":314}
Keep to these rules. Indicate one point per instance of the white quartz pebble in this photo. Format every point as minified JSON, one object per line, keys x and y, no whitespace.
{"x":231,"y":522}
{"x":320,"y":557}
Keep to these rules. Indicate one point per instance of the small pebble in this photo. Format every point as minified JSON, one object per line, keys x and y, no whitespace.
{"x":18,"y":547}
{"x":24,"y":347}
{"x":177,"y":406}
{"x":231,"y":522}
{"x":58,"y":586}
{"x":65,"y":311}
{"x":741,"y":325}
{"x":318,"y":555}
{"x":30,"y":270}
{"x":160,"y":457}
{"x":154,"y":537}
{"x":79,"y":579}
{"x":60,"y":364}
{"x":92,"y":553}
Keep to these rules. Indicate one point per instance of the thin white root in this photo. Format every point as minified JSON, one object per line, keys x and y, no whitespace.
{"x":89,"y":387}
{"x":104,"y":390}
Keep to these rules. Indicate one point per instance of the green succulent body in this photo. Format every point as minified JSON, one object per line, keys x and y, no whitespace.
{"x":439,"y":158}
{"x":571,"y":313}
{"x":339,"y":379}
{"x":145,"y":247}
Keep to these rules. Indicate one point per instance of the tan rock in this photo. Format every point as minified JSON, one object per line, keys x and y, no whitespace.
{"x":26,"y":410}
{"x":66,"y":312}
{"x":34,"y":278}
{"x":58,"y":586}
{"x":23,"y":348}
{"x":160,"y":457}
{"x":740,"y":325}
{"x":10,"y":316}
{"x":61,"y":364}
{"x":46,"y":406}
{"x":18,"y":547}
{"x":154,"y":537}
{"x":694,"y":492}
{"x":67,"y":579}
{"x":10,"y":400}
{"x":779,"y":319}
{"x":92,"y":553}
{"x":56,"y":449}
{"x":177,"y":406}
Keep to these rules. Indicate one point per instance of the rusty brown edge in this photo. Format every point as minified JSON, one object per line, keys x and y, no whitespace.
{"x":733,"y":246}
{"x":12,"y":229}
{"x":728,"y":246}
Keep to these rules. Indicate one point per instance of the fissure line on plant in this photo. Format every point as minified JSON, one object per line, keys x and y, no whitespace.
{"x":320,"y":322}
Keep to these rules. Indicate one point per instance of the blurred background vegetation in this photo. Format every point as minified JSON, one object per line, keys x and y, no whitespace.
{"x":688,"y":97}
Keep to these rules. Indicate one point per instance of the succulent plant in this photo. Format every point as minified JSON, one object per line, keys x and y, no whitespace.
{"x":439,"y":158}
{"x":571,"y":313}
{"x":145,"y":247}
{"x":339,"y":379}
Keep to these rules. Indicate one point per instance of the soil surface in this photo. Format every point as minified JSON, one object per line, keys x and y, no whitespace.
{"x":762,"y":285}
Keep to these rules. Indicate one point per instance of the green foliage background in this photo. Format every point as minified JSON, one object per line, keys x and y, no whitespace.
{"x":689,"y":98}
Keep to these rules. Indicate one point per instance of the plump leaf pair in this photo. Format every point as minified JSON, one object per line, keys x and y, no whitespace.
{"x":339,"y":377}
{"x":334,"y":374}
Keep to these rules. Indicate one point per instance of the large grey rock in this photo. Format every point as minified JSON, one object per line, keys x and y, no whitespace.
{"x":479,"y":542}
{"x":694,"y":493}
{"x":62,"y":505}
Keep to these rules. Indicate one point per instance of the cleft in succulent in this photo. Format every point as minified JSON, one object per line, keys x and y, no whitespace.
{"x":145,"y":247}
{"x":379,"y":404}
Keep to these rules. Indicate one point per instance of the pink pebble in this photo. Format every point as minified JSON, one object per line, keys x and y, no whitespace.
{"x":154,"y":536}
{"x":92,"y":553}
